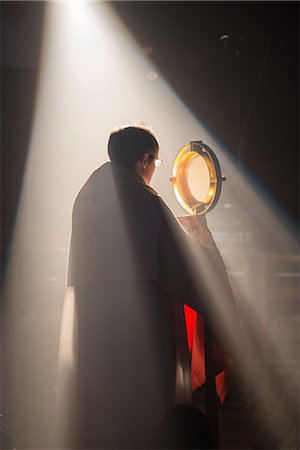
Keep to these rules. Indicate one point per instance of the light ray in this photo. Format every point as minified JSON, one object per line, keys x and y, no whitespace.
{"x":94,"y":76}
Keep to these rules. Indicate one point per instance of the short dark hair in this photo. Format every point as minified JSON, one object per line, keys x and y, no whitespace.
{"x":128,"y":145}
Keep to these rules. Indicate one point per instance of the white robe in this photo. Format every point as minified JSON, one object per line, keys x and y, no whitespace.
{"x":123,"y":354}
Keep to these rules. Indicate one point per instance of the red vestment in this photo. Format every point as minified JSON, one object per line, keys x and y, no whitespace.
{"x":195,"y":327}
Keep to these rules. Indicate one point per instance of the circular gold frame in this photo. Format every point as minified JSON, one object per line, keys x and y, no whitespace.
{"x":179,"y":177}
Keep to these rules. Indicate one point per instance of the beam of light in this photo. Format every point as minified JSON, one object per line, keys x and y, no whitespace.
{"x":94,"y":76}
{"x":69,"y":331}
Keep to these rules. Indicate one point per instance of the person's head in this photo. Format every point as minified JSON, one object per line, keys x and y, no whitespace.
{"x":136,"y":148}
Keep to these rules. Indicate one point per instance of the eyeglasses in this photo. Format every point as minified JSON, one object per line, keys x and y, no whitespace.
{"x":157,"y":161}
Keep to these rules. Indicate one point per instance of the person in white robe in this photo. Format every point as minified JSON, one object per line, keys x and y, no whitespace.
{"x":123,"y":350}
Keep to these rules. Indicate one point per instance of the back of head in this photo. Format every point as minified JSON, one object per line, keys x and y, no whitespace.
{"x":128,"y":145}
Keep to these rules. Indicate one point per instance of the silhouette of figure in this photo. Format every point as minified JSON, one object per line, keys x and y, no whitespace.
{"x":123,"y":351}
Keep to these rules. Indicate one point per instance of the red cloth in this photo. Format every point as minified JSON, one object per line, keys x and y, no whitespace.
{"x":196,"y":225}
{"x":222,"y":362}
{"x":190,"y":320}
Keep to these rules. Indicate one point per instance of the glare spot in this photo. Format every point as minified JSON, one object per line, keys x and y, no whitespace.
{"x":53,"y":279}
{"x":152,"y":76}
{"x":147,"y":50}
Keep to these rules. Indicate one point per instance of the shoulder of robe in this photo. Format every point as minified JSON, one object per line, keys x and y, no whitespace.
{"x":155,"y":197}
{"x":150,"y":190}
{"x":88,"y":183}
{"x":149,"y":193}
